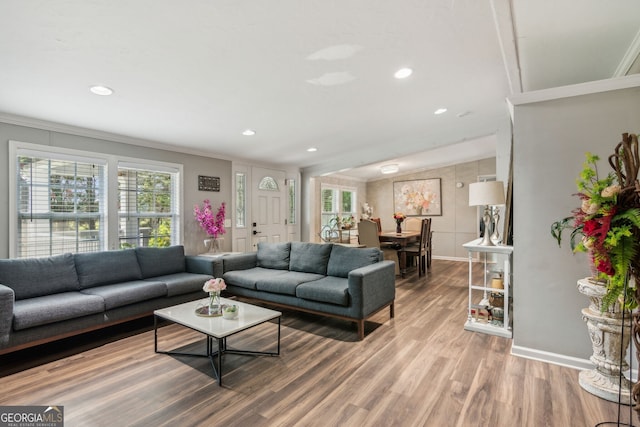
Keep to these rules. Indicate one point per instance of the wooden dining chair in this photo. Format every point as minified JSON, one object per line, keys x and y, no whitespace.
{"x":384,"y":245}
{"x":378,"y":222}
{"x":369,"y":237}
{"x":420,"y":251}
{"x":413,"y":224}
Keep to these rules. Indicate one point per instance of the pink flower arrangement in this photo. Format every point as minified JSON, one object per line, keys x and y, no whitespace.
{"x":213,"y":225}
{"x":214,"y":285}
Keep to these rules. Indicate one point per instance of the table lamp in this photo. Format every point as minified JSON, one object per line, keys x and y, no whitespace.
{"x":487,"y":193}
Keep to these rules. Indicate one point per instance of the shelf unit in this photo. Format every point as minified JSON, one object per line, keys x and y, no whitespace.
{"x":493,"y":259}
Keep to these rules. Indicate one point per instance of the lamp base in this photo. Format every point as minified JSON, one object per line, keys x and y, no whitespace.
{"x":486,"y":239}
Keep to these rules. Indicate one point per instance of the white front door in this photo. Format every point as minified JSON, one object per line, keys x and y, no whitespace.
{"x":268,"y":207}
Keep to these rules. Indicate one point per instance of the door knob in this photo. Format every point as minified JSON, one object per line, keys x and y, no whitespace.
{"x":256,"y":232}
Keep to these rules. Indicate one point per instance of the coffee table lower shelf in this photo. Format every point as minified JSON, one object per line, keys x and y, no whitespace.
{"x":219,"y":334}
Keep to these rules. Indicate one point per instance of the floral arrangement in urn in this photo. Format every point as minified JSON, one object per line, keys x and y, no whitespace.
{"x":608,"y":221}
{"x":212,"y":224}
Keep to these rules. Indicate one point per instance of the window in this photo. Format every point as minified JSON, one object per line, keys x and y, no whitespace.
{"x":146,"y":206}
{"x":60,"y":202}
{"x":241,"y":198}
{"x":292,"y":201}
{"x":269,"y":184}
{"x":337,"y":202}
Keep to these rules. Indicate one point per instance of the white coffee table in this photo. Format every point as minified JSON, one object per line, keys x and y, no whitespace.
{"x":217,"y":328}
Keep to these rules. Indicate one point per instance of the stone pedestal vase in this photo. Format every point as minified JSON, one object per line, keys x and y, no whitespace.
{"x":607,"y":336}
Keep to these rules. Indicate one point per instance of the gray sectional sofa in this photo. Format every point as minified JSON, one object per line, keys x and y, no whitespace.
{"x":45,"y":299}
{"x":333,"y":280}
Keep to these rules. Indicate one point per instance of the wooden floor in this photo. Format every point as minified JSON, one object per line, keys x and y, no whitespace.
{"x":419,"y":369}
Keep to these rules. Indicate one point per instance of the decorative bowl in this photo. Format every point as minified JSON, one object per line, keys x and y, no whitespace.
{"x":230,"y":312}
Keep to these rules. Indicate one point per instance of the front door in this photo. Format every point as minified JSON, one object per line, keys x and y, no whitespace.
{"x":269,"y":206}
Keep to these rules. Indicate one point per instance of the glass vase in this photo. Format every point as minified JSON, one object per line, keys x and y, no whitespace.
{"x":212,"y":244}
{"x":214,"y":303}
{"x":398,"y":227}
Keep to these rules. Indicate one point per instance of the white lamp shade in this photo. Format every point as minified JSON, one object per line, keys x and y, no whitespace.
{"x":486,"y":193}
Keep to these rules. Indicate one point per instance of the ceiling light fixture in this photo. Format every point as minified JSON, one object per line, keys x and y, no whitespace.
{"x":387,"y":169}
{"x":312,"y":149}
{"x":248,"y":132}
{"x":440,"y":111}
{"x":403,"y":73}
{"x":101,"y":90}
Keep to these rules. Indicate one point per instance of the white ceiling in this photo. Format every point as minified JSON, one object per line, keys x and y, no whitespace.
{"x":302,"y":73}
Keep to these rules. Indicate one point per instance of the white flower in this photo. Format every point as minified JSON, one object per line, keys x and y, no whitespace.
{"x":589,"y":207}
{"x":214,"y":285}
{"x":610,"y":191}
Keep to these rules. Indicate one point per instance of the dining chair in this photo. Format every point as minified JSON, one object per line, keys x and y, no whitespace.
{"x":420,"y":251}
{"x":368,"y":236}
{"x":413,"y":224}
{"x":384,"y":245}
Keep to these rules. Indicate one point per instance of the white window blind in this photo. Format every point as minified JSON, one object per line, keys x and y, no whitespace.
{"x":60,"y":204}
{"x":147,"y":205}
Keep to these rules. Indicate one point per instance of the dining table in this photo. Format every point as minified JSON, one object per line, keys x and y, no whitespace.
{"x":403,"y":239}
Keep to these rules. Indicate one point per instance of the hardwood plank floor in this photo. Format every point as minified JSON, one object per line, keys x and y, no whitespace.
{"x":419,"y":369}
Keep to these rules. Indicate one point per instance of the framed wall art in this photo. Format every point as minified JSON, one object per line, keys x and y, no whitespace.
{"x":420,"y":197}
{"x":208,"y":183}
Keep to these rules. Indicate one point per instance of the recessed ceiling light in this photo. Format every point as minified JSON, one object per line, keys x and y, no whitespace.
{"x":101,"y":90}
{"x":248,"y":132}
{"x":440,"y":111}
{"x":312,"y":149}
{"x":403,"y":73}
{"x":386,"y":169}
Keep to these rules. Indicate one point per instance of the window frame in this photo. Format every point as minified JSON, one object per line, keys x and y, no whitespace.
{"x":338,"y":202}
{"x":111,"y":214}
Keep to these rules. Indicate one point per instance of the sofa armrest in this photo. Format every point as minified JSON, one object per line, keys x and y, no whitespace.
{"x":239,"y":262}
{"x":199,"y":264}
{"x":372,"y":287}
{"x":7,"y":298}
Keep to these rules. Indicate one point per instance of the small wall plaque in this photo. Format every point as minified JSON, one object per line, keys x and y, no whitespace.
{"x":208,"y":183}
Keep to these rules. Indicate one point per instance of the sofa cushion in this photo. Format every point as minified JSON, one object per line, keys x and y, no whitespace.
{"x":285,"y":283}
{"x":343,"y":259}
{"x":104,"y":268}
{"x":183,"y":283}
{"x":160,"y":261}
{"x":309,"y":257}
{"x":274,"y":255}
{"x":331,"y":289}
{"x":54,"y":308}
{"x":120,"y":294}
{"x":248,"y":278}
{"x":34,"y":277}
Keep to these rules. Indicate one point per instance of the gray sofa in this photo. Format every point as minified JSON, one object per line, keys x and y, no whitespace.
{"x":45,"y":299}
{"x":333,"y":280}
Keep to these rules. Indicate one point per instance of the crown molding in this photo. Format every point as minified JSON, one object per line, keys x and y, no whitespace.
{"x":630,"y":56}
{"x":97,"y":134}
{"x":587,"y":88}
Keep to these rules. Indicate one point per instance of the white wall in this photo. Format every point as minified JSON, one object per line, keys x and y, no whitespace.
{"x":550,"y":139}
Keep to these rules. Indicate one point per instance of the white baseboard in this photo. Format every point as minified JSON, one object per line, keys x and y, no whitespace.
{"x":554,"y":358}
{"x":451,"y":258}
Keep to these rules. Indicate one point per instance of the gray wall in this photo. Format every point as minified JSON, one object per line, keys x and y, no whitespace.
{"x":550,"y":139}
{"x":458,"y":223}
{"x":192,"y":166}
